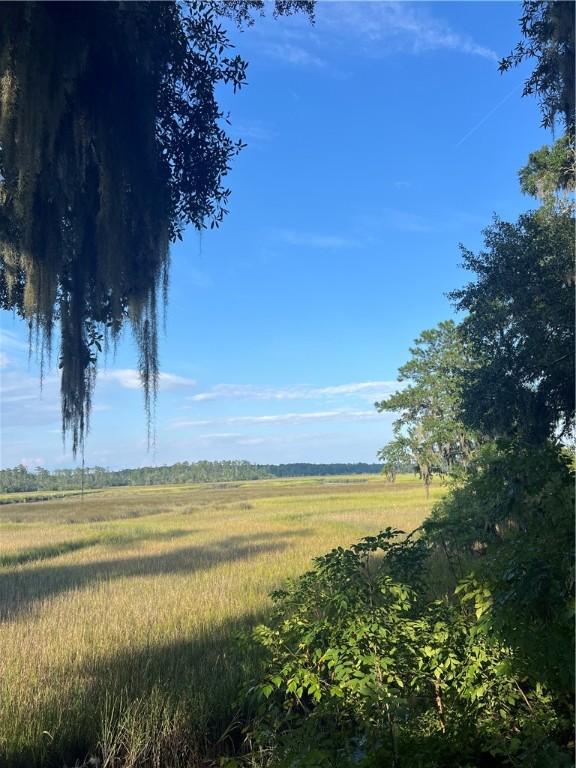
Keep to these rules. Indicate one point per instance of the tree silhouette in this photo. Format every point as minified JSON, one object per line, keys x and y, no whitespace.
{"x":111,"y":143}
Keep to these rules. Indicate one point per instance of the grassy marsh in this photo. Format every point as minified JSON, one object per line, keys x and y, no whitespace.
{"x":118,"y":612}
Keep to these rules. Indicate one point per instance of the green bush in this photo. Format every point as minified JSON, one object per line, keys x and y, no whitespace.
{"x":362,"y":668}
{"x":516,"y":510}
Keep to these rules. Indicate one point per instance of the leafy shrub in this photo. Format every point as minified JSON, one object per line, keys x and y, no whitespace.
{"x":362,"y":668}
{"x":517,"y":509}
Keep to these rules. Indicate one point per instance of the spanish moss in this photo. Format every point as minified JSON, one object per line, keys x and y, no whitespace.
{"x":111,"y":143}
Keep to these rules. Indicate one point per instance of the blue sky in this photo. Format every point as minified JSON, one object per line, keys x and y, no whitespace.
{"x":378,"y":140}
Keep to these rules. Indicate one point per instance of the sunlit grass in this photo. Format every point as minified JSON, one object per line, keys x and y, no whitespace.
{"x":118,"y":611}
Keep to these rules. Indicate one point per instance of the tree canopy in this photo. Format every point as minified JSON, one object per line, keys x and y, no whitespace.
{"x":111,"y":143}
{"x":549,"y":174}
{"x":429,"y":431}
{"x":520,"y":328}
{"x":548,"y":31}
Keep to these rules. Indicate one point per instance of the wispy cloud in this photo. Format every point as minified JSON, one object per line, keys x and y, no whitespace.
{"x":408,"y":221}
{"x":377,"y":223}
{"x":10,"y":340}
{"x":369,"y":228}
{"x":129,"y":378}
{"x":278,"y":418}
{"x":252,"y":131}
{"x":235,"y":438}
{"x":293,"y":54}
{"x":22,"y":402}
{"x":320,"y":240}
{"x":369,"y":29}
{"x":402,"y":26}
{"x":374,"y":389}
{"x":39,"y":461}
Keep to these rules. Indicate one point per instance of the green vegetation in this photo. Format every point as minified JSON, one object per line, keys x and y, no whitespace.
{"x":119,"y":613}
{"x":445,"y":640}
{"x":549,"y":173}
{"x":548,"y":31}
{"x":94,"y":185}
{"x":19,"y":479}
{"x":429,"y":433}
{"x":455,"y":646}
{"x":365,"y":665}
{"x":519,"y":328}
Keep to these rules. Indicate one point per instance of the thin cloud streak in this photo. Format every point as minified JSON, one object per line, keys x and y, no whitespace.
{"x":402,"y":27}
{"x":487,"y":116}
{"x":293,"y":54}
{"x":425,"y":32}
{"x":252,"y":392}
{"x":314,"y":240}
{"x":23,"y":404}
{"x":279,"y":418}
{"x":369,"y":29}
{"x":11,"y":340}
{"x":377,"y":223}
{"x":253,"y":131}
{"x":129,"y":378}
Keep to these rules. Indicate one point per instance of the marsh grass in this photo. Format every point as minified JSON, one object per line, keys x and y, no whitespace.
{"x":119,"y":613}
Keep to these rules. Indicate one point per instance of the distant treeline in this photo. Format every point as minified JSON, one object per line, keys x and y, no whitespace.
{"x":20,"y":479}
{"x":306,"y":470}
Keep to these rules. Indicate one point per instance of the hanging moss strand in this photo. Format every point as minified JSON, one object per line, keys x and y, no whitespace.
{"x":111,"y":143}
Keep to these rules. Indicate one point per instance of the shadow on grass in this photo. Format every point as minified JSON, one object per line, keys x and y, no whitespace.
{"x":171,"y":703}
{"x":113,"y":538}
{"x":22,"y":589}
{"x":69,"y":509}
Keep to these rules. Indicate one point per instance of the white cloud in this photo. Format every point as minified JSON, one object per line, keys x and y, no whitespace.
{"x":379,"y":222}
{"x":361,"y":387}
{"x":101,"y":408}
{"x":10,"y":340}
{"x":24,"y":404}
{"x":280,"y":418}
{"x":129,"y":378}
{"x":220,"y":436}
{"x":252,"y":131}
{"x":408,"y":221}
{"x":314,"y":240}
{"x":39,"y":461}
{"x":172,"y":381}
{"x":397,"y":26}
{"x":259,"y":441}
{"x":293,"y":54}
{"x":369,"y":29}
{"x":374,"y":389}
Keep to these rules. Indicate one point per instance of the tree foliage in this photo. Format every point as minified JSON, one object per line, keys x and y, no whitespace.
{"x":112,"y":142}
{"x":362,"y":667}
{"x":20,"y":479}
{"x":368,"y":663}
{"x":550,"y":174}
{"x":429,"y":431}
{"x":515,"y":512}
{"x":396,"y":457}
{"x":520,"y":328}
{"x":548,"y":30}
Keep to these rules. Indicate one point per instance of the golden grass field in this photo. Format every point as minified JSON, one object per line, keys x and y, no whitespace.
{"x":119,"y":612}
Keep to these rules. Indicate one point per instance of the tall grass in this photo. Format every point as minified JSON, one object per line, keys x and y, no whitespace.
{"x":118,"y":613}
